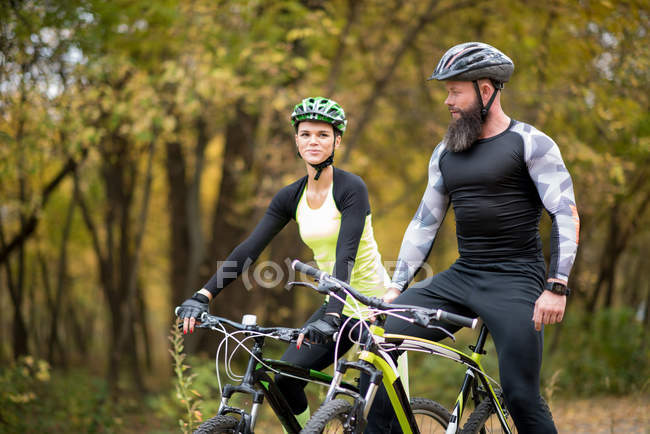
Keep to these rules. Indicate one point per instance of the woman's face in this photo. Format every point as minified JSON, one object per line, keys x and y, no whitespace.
{"x":316,"y":141}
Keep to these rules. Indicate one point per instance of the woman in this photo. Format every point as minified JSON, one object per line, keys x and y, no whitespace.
{"x":332,"y":211}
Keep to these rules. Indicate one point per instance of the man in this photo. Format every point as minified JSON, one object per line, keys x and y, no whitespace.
{"x":498,"y":174}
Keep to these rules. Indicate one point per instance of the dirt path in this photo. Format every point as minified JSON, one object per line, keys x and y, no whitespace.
{"x":620,"y":415}
{"x":628,"y":415}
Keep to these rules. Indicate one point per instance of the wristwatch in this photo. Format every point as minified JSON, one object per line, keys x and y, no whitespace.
{"x":558,"y":288}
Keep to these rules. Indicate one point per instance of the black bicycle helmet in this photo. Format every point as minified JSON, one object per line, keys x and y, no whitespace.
{"x":472,"y":61}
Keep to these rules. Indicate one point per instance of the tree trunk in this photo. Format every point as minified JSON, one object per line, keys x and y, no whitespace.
{"x":118,"y":259}
{"x":608,"y":260}
{"x":19,"y":330}
{"x":230,"y":218}
{"x":187,"y":244}
{"x":54,"y":342}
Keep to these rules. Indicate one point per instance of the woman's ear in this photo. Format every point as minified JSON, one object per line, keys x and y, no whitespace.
{"x":337,"y":140}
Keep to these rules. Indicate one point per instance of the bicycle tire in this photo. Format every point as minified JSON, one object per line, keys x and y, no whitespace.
{"x":329,"y":418}
{"x":481,"y":419}
{"x":218,"y":424}
{"x":430,"y":417}
{"x":484,"y":418}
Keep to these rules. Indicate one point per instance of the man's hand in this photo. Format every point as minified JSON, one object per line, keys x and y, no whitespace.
{"x":549,"y":309}
{"x":191,"y":309}
{"x":391,"y":294}
{"x":321,"y":330}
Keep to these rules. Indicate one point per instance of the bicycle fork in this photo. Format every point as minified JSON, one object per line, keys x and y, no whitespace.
{"x":361,"y":404}
{"x":247,"y":421}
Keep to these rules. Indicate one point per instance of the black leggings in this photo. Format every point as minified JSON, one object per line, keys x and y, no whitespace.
{"x":318,"y":356}
{"x":504,"y":296}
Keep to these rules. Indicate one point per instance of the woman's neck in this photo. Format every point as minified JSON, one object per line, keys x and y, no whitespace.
{"x":324,"y":180}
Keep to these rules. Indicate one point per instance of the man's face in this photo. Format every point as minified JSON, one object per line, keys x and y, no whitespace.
{"x":461,"y":96}
{"x":466,"y":123}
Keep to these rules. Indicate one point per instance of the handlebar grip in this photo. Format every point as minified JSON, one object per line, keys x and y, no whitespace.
{"x":307,"y":269}
{"x":458,"y":319}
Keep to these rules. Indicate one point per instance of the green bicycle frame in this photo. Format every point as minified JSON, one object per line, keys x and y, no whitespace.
{"x":474,"y":369}
{"x":381,"y":366}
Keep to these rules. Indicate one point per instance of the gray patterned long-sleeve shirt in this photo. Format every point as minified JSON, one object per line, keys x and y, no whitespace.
{"x":498,"y":189}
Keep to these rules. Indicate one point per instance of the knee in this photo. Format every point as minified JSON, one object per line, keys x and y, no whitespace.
{"x":517,"y":398}
{"x":285,"y":383}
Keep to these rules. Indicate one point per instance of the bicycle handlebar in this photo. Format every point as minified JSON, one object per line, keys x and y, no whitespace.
{"x":422,"y":315}
{"x":284,"y":334}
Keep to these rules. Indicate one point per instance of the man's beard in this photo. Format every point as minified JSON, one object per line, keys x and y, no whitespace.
{"x":465,"y":130}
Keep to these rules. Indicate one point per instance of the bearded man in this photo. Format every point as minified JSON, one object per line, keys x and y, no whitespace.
{"x":498,"y":174}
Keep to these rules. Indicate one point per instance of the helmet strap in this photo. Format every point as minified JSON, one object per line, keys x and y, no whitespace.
{"x":486,"y":109}
{"x":322,"y":165}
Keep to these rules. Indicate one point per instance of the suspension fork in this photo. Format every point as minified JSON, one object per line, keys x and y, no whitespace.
{"x":246,"y":387}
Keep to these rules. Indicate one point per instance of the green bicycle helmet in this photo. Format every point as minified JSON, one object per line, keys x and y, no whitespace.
{"x":323,"y":110}
{"x":320,"y":109}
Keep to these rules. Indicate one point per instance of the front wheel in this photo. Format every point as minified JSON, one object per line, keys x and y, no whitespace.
{"x":331,"y":417}
{"x":218,"y":424}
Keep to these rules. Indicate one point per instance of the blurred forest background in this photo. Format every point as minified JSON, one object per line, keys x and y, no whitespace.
{"x":140,"y":141}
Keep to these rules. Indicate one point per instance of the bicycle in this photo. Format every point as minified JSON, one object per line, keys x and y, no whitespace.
{"x":414,"y":415}
{"x":478,"y":387}
{"x":256,"y":380}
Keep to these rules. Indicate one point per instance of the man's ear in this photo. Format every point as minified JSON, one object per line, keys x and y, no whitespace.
{"x":486,"y":89}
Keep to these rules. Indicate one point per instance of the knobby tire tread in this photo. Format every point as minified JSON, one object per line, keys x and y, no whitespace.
{"x":218,"y":424}
{"x":334,"y":409}
{"x":340,"y":409}
{"x":441,"y":414}
{"x":479,"y":416}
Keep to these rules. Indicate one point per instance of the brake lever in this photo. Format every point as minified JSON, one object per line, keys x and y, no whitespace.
{"x":291,"y":336}
{"x":198,"y":325}
{"x":424,"y":320}
{"x":449,"y":334}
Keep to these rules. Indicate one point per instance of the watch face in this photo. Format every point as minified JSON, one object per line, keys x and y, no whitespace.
{"x":558,"y":288}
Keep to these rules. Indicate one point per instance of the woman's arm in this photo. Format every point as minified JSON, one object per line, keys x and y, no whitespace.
{"x":351,"y":198}
{"x":277,"y":215}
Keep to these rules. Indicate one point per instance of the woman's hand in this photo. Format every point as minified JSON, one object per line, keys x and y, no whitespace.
{"x":320,"y":331}
{"x":193,"y":308}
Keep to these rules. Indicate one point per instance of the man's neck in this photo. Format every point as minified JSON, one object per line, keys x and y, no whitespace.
{"x":496,"y":123}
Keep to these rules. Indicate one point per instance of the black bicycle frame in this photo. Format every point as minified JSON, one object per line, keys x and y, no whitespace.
{"x":258,"y":384}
